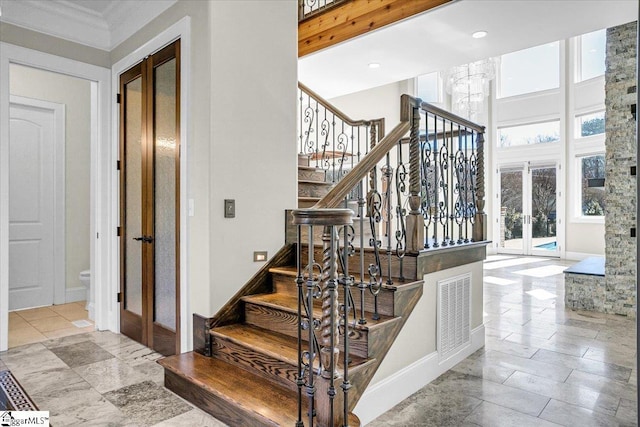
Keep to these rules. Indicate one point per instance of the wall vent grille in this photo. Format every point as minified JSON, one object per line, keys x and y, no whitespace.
{"x":454,"y":314}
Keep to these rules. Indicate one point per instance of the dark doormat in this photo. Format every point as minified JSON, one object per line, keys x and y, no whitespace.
{"x":12,"y":396}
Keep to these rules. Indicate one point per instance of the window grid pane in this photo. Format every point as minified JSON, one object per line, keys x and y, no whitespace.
{"x":592,"y":54}
{"x":590,"y":124}
{"x":530,"y":70}
{"x":534,"y":133}
{"x":429,"y":87}
{"x":592,"y":177}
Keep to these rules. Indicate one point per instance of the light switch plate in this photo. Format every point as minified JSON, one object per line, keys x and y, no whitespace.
{"x":229,"y":208}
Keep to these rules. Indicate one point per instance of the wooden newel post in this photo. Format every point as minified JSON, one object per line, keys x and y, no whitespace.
{"x":415,"y":220}
{"x":329,"y":403}
{"x":480,"y":223}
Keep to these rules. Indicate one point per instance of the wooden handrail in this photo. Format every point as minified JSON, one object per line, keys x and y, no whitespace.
{"x":342,"y":116}
{"x":350,"y":180}
{"x":430,"y":108}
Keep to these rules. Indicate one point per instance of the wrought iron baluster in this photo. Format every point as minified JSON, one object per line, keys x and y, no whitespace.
{"x":374,"y":204}
{"x":443,"y":208}
{"x":325,"y":128}
{"x":473,"y":166}
{"x":362,"y":285}
{"x":311,"y":291}
{"x":401,"y":232}
{"x":427,"y":180}
{"x":387,"y":174}
{"x":299,"y":283}
{"x":467,"y":205}
{"x":436,"y":182}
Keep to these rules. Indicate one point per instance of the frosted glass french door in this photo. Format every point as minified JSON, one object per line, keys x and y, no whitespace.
{"x":149,"y":185}
{"x":527,"y":216}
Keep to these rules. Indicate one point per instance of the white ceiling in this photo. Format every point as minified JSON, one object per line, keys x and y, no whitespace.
{"x":441,"y":38}
{"x":102,"y":24}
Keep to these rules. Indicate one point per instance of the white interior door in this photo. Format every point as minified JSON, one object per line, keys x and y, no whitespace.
{"x":34,"y":200}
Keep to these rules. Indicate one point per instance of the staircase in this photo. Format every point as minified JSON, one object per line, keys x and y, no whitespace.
{"x":250,"y":378}
{"x":312,"y":182}
{"x":260,"y":361}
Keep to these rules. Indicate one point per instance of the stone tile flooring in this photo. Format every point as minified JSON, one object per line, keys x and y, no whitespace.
{"x":43,"y":323}
{"x":542,"y":365}
{"x":99,"y":379}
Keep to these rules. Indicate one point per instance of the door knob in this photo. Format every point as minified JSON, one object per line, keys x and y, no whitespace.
{"x":144,"y":239}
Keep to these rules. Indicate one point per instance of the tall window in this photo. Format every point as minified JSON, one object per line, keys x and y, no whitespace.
{"x":530,"y":70}
{"x":592,"y":171}
{"x":590,"y":124}
{"x":534,"y":133}
{"x":429,"y":88}
{"x":592,"y":53}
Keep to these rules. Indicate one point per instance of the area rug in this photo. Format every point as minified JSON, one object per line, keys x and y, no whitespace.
{"x":12,"y":396}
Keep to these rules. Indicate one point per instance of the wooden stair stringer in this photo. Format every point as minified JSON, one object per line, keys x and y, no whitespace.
{"x":405,"y":299}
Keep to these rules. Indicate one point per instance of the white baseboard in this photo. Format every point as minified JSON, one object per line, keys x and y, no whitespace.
{"x":79,"y":293}
{"x":384,"y":395}
{"x":579,"y":256}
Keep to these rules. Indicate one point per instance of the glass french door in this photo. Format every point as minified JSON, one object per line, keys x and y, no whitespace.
{"x":528,"y":209}
{"x":149,"y":201}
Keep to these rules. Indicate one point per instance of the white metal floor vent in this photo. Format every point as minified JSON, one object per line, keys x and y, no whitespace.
{"x":454,"y":314}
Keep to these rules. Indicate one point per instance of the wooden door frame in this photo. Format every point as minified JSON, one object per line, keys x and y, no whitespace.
{"x":145,"y":329}
{"x":59,"y":225}
{"x":180,"y":30}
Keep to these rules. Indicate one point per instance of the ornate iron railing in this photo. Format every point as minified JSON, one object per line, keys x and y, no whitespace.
{"x":308,"y":8}
{"x":331,"y":140}
{"x":451,"y":151}
{"x":429,"y":184}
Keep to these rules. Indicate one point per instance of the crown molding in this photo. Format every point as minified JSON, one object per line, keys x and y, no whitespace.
{"x":71,"y":21}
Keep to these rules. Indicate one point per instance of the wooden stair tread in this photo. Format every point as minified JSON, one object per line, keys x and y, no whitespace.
{"x":311,"y":168}
{"x":293,"y":272}
{"x":289,"y":303}
{"x":273,"y":344}
{"x":308,"y":181}
{"x":309,"y":199}
{"x":236,"y":386}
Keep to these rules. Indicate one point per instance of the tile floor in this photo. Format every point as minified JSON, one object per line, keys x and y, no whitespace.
{"x":542,"y":365}
{"x":39,"y":324}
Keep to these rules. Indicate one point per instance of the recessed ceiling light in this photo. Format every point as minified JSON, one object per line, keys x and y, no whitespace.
{"x":374,"y":65}
{"x":479,"y":34}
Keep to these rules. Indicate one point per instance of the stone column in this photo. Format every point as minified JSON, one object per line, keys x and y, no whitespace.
{"x":620,"y":185}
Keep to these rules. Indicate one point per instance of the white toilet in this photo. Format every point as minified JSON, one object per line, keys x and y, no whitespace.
{"x":85,"y":279}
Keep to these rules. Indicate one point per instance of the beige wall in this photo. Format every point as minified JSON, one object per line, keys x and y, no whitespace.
{"x":198,"y":145}
{"x":253,"y":160}
{"x":382,"y":101}
{"x":75,"y":94}
{"x":242,"y":142}
{"x":418,"y":337}
{"x":56,"y":46}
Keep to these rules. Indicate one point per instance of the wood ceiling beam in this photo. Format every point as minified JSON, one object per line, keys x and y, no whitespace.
{"x":354,"y":18}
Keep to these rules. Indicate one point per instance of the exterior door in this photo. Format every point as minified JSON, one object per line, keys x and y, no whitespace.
{"x":528,"y":203}
{"x":32,"y":205}
{"x":542,"y":222}
{"x":149,"y":184}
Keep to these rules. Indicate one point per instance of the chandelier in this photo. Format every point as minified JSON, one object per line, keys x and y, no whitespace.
{"x":468,"y":85}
